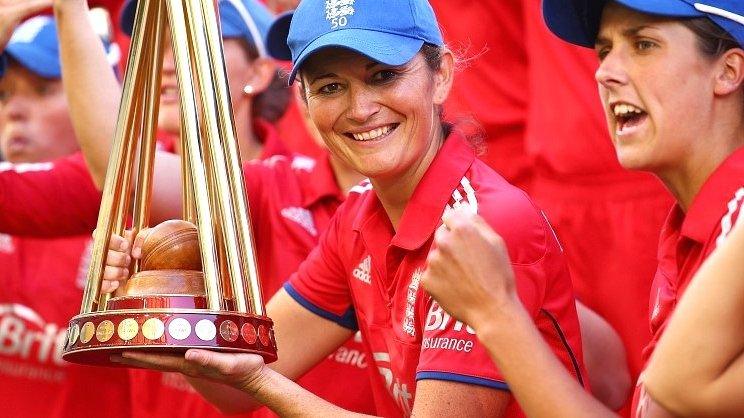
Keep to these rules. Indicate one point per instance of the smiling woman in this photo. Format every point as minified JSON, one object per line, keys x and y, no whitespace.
{"x":374,"y":75}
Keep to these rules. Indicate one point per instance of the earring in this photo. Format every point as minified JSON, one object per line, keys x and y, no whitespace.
{"x":248,"y":89}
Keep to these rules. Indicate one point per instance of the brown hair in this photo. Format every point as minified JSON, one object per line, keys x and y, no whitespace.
{"x":467,"y":126}
{"x":713,"y":41}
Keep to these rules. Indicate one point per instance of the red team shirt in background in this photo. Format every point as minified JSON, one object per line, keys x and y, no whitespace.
{"x":491,"y":81}
{"x":365,"y":275}
{"x":41,"y":283}
{"x":687,"y":240}
{"x":607,"y":218}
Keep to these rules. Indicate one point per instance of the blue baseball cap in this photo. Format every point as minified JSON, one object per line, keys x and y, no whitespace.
{"x":577,"y":21}
{"x":387,"y":31}
{"x":247,"y":19}
{"x":34,"y":45}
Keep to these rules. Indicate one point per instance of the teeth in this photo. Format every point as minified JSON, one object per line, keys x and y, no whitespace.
{"x":626,"y":109}
{"x":373,"y":134}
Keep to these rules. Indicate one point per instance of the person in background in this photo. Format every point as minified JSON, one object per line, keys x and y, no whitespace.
{"x":41,"y":280}
{"x":644,"y":48}
{"x":607,"y":218}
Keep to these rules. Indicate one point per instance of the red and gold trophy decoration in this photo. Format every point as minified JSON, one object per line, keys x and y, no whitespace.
{"x":196,"y":285}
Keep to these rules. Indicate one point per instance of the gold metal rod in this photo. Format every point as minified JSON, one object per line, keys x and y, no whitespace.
{"x":222,"y":190}
{"x":151,"y":107}
{"x":177,"y":21}
{"x":208,"y":133}
{"x":241,"y":219}
{"x":113,"y":184}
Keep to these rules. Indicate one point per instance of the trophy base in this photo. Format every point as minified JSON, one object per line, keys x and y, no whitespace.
{"x":93,"y":338}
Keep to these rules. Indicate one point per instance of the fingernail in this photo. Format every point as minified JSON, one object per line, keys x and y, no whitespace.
{"x":136,"y":252}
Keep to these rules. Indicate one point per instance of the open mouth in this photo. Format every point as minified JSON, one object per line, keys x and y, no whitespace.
{"x":373,"y":134}
{"x":628,"y":117}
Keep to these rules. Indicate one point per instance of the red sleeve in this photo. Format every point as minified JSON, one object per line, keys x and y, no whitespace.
{"x":320,"y":284}
{"x":254,"y":176}
{"x":48,"y":199}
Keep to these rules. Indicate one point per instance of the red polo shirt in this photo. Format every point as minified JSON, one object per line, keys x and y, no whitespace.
{"x":687,"y":240}
{"x":291,"y":202}
{"x":41,"y":284}
{"x":365,"y":275}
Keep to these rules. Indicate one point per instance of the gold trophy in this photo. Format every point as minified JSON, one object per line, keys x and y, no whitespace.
{"x":197,"y":283}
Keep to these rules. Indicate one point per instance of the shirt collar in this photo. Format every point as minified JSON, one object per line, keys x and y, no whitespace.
{"x":424,"y":210}
{"x":269,"y":137}
{"x":709,"y":205}
{"x":321,"y":183}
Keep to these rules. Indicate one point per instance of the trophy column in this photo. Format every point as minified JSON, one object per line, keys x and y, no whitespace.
{"x":197,"y":283}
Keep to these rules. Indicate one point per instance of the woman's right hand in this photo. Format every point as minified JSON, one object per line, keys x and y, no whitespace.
{"x":119,"y":258}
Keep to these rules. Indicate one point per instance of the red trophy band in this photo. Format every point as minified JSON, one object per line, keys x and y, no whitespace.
{"x":163,"y":308}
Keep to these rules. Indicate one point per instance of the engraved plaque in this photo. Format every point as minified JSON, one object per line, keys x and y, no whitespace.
{"x":127,"y":329}
{"x":179,"y":329}
{"x":105,"y":331}
{"x":87,"y":332}
{"x":153,"y":329}
{"x":205,"y":330}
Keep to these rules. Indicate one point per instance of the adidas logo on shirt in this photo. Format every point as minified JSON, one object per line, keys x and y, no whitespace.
{"x":362,"y":271}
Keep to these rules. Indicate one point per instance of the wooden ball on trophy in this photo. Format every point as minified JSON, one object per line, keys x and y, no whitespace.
{"x":172,"y":245}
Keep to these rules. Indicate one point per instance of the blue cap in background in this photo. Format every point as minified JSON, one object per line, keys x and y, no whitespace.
{"x":577,"y":21}
{"x":276,"y":38}
{"x":34,"y":45}
{"x":247,"y":19}
{"x":387,"y":31}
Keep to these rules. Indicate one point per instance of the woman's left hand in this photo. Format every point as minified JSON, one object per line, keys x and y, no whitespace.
{"x":242,"y":371}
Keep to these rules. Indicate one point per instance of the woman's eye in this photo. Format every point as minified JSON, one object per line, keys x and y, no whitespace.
{"x":330,"y":88}
{"x":602,"y":53}
{"x":44,"y":90}
{"x":384,"y":76}
{"x":644,"y":45}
